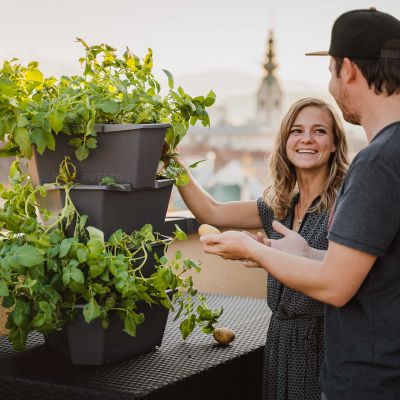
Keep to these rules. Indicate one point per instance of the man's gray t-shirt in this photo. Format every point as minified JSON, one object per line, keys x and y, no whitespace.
{"x":362,"y":338}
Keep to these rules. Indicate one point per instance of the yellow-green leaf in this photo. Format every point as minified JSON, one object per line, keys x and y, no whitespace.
{"x":56,"y":119}
{"x":131,"y":63}
{"x":34,"y":75}
{"x":23,"y":140}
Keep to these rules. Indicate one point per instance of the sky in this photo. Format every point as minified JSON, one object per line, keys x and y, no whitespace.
{"x":187,"y":37}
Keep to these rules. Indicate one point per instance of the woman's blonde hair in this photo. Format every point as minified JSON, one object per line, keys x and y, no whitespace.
{"x":279,"y":194}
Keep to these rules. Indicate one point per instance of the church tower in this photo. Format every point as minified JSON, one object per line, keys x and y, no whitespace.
{"x":269,"y":95}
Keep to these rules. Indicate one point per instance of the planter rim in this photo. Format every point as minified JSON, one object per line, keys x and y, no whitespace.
{"x":128,"y":127}
{"x":119,"y":187}
{"x":168,"y":292}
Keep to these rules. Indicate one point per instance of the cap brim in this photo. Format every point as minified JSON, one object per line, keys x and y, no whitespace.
{"x":318,"y":53}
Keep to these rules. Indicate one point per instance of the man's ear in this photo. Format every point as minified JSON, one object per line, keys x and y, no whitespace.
{"x":348,"y":71}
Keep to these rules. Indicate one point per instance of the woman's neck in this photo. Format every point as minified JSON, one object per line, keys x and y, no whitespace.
{"x":310,"y":184}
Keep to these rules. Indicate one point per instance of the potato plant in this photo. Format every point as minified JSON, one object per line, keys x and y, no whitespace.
{"x":44,"y":274}
{"x":34,"y":109}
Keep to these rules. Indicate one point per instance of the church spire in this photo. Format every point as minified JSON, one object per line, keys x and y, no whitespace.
{"x":270,"y":64}
{"x":269,"y":95}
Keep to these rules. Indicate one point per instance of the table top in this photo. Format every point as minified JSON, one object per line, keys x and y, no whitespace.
{"x":176,"y":360}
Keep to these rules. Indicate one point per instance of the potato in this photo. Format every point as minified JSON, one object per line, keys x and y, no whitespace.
{"x":224,"y":335}
{"x":205,"y":229}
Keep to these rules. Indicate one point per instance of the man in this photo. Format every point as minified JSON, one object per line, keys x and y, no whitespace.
{"x":359,"y":276}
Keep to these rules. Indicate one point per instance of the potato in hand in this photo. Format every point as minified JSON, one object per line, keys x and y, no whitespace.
{"x":205,"y":229}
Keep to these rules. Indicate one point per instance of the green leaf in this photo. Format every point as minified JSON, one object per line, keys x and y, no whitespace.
{"x":65,"y":246}
{"x":77,"y":275}
{"x":66,"y":278}
{"x":95,"y":233}
{"x":38,"y":137}
{"x":205,"y":315}
{"x":56,"y":119}
{"x":91,"y":311}
{"x":100,"y":289}
{"x":39,"y":320}
{"x":182,"y":179}
{"x":180,"y":235}
{"x":129,"y":325}
{"x":194,"y":165}
{"x":91,"y":143}
{"x":180,"y":131}
{"x":76,"y":142}
{"x":210,"y":99}
{"x":208,"y":329}
{"x":28,"y":256}
{"x":21,"y":313}
{"x":22,"y":121}
{"x":97,"y":267}
{"x":45,"y":306}
{"x":178,"y":255}
{"x":170,"y":78}
{"x":3,"y":289}
{"x":116,"y":238}
{"x":23,"y":140}
{"x":15,"y":170}
{"x":95,"y":247}
{"x":187,"y":326}
{"x":81,"y":255}
{"x":82,"y":153}
{"x":108,"y":106}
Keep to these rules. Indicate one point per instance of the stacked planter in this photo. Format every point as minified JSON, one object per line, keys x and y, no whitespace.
{"x":130,"y":154}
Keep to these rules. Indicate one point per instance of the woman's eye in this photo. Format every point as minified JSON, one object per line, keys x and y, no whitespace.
{"x":320,"y":131}
{"x":295,"y":131}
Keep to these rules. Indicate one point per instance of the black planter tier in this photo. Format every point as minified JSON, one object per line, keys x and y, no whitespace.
{"x":90,"y":344}
{"x":128,"y":153}
{"x":110,"y":208}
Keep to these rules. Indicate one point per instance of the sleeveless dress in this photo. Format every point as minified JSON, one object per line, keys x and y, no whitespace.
{"x":294,"y":348}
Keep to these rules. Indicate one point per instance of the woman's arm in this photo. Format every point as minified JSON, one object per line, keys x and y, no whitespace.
{"x":232,"y":214}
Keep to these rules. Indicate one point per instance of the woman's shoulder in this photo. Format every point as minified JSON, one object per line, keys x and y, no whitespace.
{"x":267,"y":215}
{"x":264,"y":210}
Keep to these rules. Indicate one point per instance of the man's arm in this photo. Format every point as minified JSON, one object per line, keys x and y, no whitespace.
{"x":334,"y":280}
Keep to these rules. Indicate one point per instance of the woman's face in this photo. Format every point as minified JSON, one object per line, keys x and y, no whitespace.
{"x":311,"y":141}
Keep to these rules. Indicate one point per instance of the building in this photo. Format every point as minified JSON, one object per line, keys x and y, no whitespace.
{"x":236,"y":166}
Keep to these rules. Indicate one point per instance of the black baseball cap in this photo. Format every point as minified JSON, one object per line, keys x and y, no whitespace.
{"x":363,"y":34}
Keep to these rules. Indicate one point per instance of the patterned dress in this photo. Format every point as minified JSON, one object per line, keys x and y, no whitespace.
{"x":294,"y":349}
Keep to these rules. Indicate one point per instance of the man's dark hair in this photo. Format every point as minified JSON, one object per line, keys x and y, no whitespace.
{"x":383,"y":74}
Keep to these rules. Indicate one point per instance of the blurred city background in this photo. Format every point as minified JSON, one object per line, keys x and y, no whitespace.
{"x":251,"y":54}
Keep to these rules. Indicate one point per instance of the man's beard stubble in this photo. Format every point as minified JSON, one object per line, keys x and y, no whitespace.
{"x":349,"y":114}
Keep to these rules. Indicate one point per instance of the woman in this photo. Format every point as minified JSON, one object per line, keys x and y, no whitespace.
{"x":308,"y":164}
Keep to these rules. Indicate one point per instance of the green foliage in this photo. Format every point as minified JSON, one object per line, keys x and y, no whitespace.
{"x":111,"y":89}
{"x":44,"y":274}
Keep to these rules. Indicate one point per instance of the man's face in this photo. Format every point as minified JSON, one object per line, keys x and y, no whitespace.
{"x":341,"y":93}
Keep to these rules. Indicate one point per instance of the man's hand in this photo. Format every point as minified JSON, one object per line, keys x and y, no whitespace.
{"x":292,"y":242}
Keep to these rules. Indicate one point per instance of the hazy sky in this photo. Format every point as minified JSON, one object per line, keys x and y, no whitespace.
{"x":186,"y":36}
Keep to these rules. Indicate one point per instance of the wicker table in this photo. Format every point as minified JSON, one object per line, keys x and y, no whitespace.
{"x":195,"y":369}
